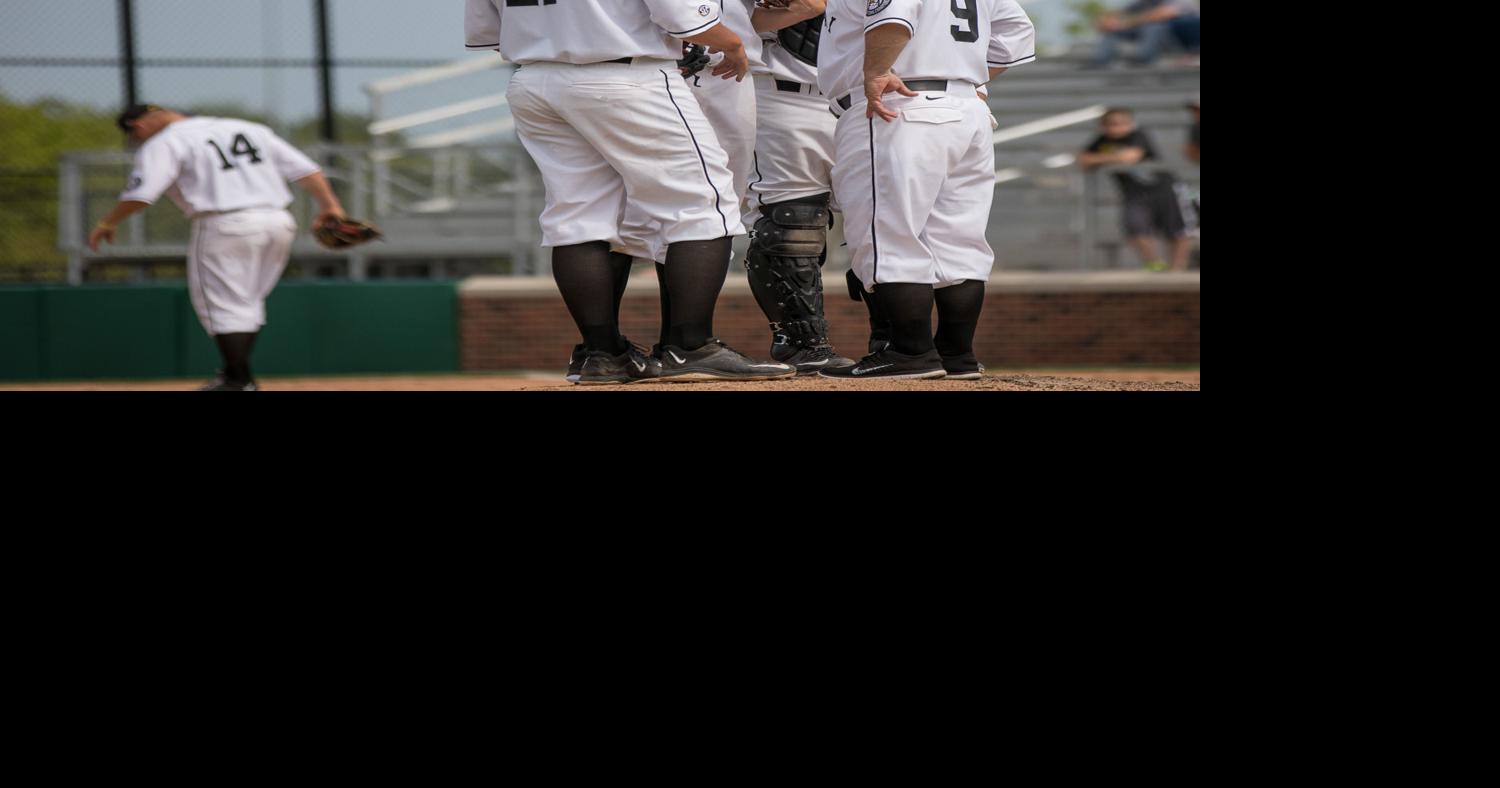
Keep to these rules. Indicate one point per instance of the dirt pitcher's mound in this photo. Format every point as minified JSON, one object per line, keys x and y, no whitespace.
{"x":1036,"y":380}
{"x":993,"y":382}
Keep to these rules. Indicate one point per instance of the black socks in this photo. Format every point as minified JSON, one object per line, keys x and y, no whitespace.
{"x":958,"y":308}
{"x":908,"y":309}
{"x":592,"y":281}
{"x":691,"y":280}
{"x":235,"y":348}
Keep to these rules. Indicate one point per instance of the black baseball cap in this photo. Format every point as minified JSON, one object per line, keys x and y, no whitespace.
{"x":133,"y":113}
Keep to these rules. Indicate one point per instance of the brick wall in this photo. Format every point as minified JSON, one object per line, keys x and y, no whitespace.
{"x":1029,"y":320}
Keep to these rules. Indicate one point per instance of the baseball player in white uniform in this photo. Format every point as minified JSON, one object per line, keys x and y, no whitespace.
{"x":729,"y":107}
{"x":230,"y":177}
{"x":791,"y":191}
{"x":915,"y":166}
{"x":602,"y":108}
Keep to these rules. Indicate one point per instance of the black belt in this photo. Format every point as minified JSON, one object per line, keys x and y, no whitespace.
{"x":788,"y":86}
{"x":621,"y":60}
{"x":913,"y":84}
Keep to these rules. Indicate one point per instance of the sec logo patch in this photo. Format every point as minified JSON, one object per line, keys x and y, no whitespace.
{"x":704,"y":10}
{"x":876,"y":6}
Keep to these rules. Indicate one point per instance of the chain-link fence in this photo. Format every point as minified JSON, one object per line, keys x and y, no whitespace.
{"x":68,"y":66}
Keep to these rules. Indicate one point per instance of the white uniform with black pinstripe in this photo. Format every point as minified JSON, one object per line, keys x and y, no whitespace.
{"x":916,"y":191}
{"x":794,"y":138}
{"x":729,"y":107}
{"x":604,"y":133}
{"x":230,"y":176}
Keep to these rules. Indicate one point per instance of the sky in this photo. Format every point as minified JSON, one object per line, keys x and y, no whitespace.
{"x":417,"y":29}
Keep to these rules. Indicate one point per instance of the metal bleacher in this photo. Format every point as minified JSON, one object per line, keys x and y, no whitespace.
{"x":456,"y":193}
{"x":1048,"y":216}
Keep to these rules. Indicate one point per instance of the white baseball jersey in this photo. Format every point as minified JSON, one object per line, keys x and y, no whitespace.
{"x":951,"y":39}
{"x":737,"y":18}
{"x":209,"y":165}
{"x":781,"y":64}
{"x":586,"y":31}
{"x":917,"y":191}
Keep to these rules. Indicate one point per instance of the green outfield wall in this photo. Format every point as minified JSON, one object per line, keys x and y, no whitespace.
{"x":150,"y":331}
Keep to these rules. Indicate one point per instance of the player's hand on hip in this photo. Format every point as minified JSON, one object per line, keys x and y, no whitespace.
{"x":101,"y":232}
{"x":735,"y":64}
{"x":876,"y":87}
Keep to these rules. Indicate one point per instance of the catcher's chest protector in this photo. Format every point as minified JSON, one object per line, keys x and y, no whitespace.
{"x":801,"y":39}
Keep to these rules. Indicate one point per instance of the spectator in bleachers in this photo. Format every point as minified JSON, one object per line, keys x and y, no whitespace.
{"x":1150,"y":25}
{"x":1149,"y":197}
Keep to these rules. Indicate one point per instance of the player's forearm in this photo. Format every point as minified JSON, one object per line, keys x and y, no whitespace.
{"x":718,"y":37}
{"x":882,"y":46}
{"x":766,"y":20}
{"x":995,"y":72}
{"x":1129,"y":156}
{"x":318,"y":187}
{"x":121,"y":212}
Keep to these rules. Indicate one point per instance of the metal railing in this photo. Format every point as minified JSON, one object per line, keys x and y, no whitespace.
{"x":1099,"y":197}
{"x":457,"y":202}
{"x":440,"y":194}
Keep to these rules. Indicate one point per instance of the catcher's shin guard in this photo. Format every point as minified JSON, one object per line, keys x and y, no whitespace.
{"x":785,"y":260}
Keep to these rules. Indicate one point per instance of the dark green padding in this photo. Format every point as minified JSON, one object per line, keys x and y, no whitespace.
{"x":20,"y":334}
{"x":150,"y":331}
{"x":111,"y":331}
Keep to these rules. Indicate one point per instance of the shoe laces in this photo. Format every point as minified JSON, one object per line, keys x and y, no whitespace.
{"x":721,"y":343}
{"x":820,"y":352}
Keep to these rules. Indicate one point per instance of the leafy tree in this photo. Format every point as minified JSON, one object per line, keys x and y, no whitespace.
{"x":33,"y":138}
{"x":1085,"y":14}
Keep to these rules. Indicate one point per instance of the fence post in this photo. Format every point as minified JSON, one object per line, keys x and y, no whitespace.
{"x":70,"y":218}
{"x":325,"y":72}
{"x":128,"y":60}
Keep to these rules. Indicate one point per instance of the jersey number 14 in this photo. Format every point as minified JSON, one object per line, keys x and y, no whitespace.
{"x":241,"y":148}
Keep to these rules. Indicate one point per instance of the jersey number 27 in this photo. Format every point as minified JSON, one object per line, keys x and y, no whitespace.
{"x":241,"y":148}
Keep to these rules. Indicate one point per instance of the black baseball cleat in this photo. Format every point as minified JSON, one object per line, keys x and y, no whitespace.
{"x":963,"y":367}
{"x":575,"y":363}
{"x":809,"y":360}
{"x":221,"y":384}
{"x":717,"y":361}
{"x":632,"y":366}
{"x":889,"y":365}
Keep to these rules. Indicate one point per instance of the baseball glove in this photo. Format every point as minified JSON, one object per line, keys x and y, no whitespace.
{"x":694,"y":59}
{"x":344,"y":233}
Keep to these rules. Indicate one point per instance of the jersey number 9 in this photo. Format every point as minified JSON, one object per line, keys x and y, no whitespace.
{"x":967,"y":10}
